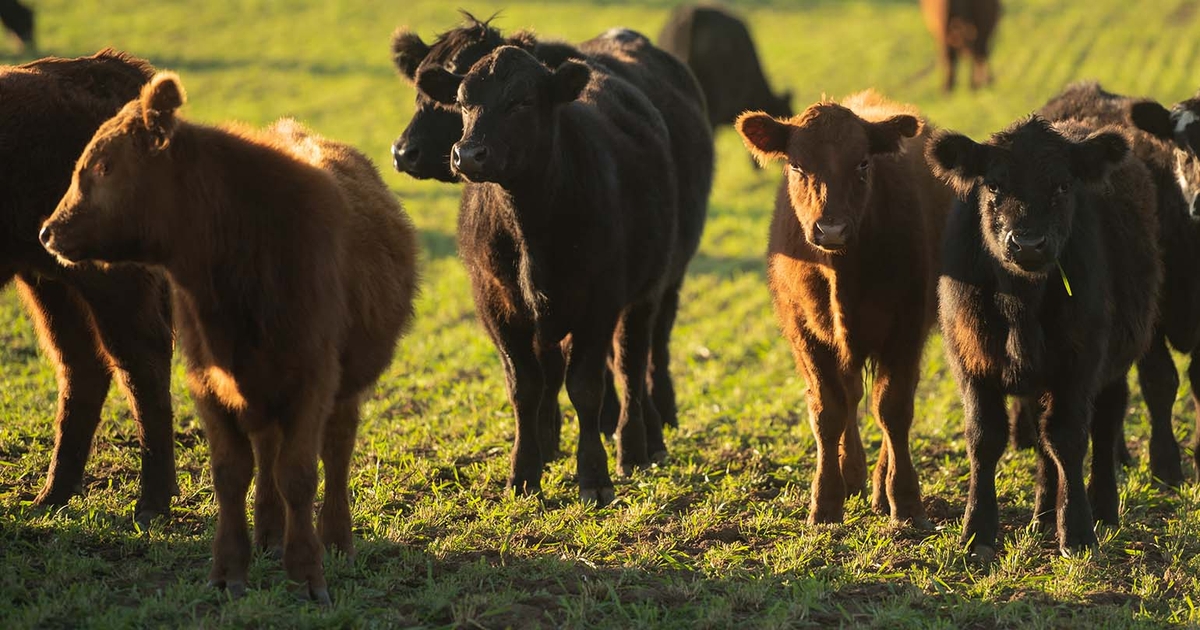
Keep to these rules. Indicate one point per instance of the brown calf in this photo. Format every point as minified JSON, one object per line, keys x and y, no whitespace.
{"x":293,"y":274}
{"x":852,"y":270}
{"x":963,"y":27}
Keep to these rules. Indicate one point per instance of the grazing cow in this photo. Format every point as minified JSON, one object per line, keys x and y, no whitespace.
{"x":1050,"y":275}
{"x":852,"y":265}
{"x":718,"y":48}
{"x":94,"y":322}
{"x":292,"y":269}
{"x":1179,"y":243}
{"x":567,"y":227}
{"x":963,"y":26}
{"x":423,"y":150}
{"x":18,"y":18}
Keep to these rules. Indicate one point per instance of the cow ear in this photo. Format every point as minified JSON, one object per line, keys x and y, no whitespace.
{"x":1152,"y":118}
{"x":160,"y":98}
{"x":568,"y":81}
{"x":765,"y":138}
{"x":885,"y":136}
{"x":523,"y":39}
{"x":1092,"y":159}
{"x":408,"y":51}
{"x":440,"y":85}
{"x":957,"y":160}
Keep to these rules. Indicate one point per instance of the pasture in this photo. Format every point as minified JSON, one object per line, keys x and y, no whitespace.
{"x":716,"y":536}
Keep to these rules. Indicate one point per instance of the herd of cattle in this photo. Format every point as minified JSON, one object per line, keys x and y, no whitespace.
{"x":1054,"y":256}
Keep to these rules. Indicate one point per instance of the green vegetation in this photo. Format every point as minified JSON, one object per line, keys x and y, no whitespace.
{"x":716,"y":537}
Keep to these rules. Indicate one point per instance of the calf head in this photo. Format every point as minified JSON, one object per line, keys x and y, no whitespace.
{"x":423,"y":150}
{"x":508,"y":101}
{"x":1181,"y":126}
{"x":1028,"y":181}
{"x":830,"y":153}
{"x":113,"y":210}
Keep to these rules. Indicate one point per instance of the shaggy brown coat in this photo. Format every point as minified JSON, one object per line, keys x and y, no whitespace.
{"x":852,"y":267}
{"x":93,"y":322}
{"x":963,"y":27}
{"x":293,"y":270}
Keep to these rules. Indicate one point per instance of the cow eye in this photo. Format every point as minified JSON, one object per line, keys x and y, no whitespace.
{"x":795,"y":168}
{"x":1062,"y":189}
{"x":992,"y":187}
{"x":864,"y":165}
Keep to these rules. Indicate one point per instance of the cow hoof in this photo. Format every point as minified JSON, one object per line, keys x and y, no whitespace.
{"x":145,"y":517}
{"x":57,"y":495}
{"x":983,"y":554}
{"x":320,"y":596}
{"x":919,"y":523}
{"x":236,"y":589}
{"x":598,"y":497}
{"x":1170,"y":475}
{"x":658,"y":457}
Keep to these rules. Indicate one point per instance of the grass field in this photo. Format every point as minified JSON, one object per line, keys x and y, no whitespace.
{"x":714,"y":538}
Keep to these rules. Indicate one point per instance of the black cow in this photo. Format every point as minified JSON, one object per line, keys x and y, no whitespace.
{"x":18,"y":18}
{"x":718,"y":48}
{"x":1179,"y":243}
{"x":1050,"y":274}
{"x":423,"y":150}
{"x":567,"y":227}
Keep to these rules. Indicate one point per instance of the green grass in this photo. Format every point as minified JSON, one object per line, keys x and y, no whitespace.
{"x":716,"y":537}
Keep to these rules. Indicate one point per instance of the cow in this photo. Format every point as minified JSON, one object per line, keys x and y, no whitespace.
{"x":94,"y":322}
{"x":852,"y":264}
{"x":963,"y":27}
{"x":18,"y":19}
{"x":1049,"y":285}
{"x":423,"y":150}
{"x":717,"y":46}
{"x":1179,"y":243}
{"x":293,"y":273}
{"x":567,"y":227}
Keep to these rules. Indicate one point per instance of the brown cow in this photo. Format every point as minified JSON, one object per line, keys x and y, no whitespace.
{"x":963,"y":26}
{"x":852,"y":266}
{"x":95,"y":323}
{"x":293,"y":270}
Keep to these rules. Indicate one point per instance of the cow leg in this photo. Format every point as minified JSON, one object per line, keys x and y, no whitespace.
{"x":334,"y":525}
{"x":65,"y":333}
{"x":523,"y":379}
{"x":296,"y":478}
{"x":1107,"y":414}
{"x":1023,"y":417}
{"x":132,"y":311}
{"x":633,"y":351}
{"x":585,"y":386}
{"x":1194,"y":379}
{"x":1065,"y":437}
{"x":554,"y":367}
{"x":662,"y":388}
{"x":269,"y":521}
{"x":829,"y":412}
{"x":610,"y":414}
{"x":231,"y":458}
{"x":949,"y":63}
{"x":852,"y":458}
{"x":1045,"y":498}
{"x":1160,"y":385}
{"x":895,"y":388}
{"x":987,"y":436}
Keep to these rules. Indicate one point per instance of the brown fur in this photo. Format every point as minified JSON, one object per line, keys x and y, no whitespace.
{"x":963,"y":27}
{"x":871,"y":303}
{"x":93,"y":322}
{"x":293,"y":270}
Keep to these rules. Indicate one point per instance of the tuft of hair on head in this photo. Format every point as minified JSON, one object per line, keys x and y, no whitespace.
{"x":160,"y":98}
{"x":765,"y":137}
{"x":956,"y":159}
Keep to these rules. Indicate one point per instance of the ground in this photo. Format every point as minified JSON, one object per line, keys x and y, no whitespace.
{"x":716,"y":536}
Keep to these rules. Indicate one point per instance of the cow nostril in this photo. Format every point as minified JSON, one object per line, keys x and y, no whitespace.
{"x":44,"y":236}
{"x":456,"y":156}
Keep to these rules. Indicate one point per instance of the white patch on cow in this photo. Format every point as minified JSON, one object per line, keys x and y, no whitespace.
{"x":1186,"y":118}
{"x":1190,"y":189}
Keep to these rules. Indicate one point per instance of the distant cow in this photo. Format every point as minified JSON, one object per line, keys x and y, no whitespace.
{"x":852,"y":267}
{"x":293,"y":270}
{"x":567,"y":227}
{"x":963,"y":27}
{"x":93,"y":322}
{"x":1050,"y":276}
{"x":717,"y":46}
{"x":423,"y":150}
{"x":1179,"y":243}
{"x":18,"y":18}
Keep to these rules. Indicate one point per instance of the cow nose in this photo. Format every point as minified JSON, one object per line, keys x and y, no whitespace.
{"x":830,"y":234}
{"x":469,"y":158}
{"x":1026,"y":243}
{"x":45,"y":237}
{"x":404,"y":156}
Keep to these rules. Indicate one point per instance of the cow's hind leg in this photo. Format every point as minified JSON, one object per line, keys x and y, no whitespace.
{"x":1160,"y":385}
{"x":1194,"y":379}
{"x":662,"y":387}
{"x":269,"y":521}
{"x":585,"y":386}
{"x":337,"y":450}
{"x":65,"y":332}
{"x":895,"y":388}
{"x":852,"y":457}
{"x":232,"y":462}
{"x":635,"y":440}
{"x":296,"y":476}
{"x":1107,"y":414}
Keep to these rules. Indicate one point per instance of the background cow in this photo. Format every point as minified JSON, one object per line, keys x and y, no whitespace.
{"x":963,"y":27}
{"x":93,"y":322}
{"x":718,"y":48}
